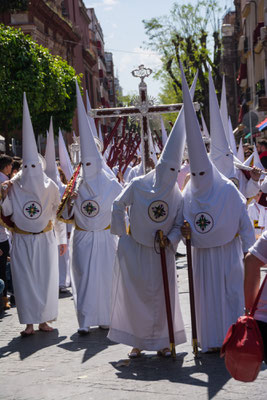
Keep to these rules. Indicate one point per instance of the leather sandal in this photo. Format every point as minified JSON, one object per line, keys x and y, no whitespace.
{"x":134,"y":353}
{"x":164,"y":352}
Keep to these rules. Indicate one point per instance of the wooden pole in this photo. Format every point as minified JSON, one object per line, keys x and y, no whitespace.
{"x":191,"y":293}
{"x":112,"y":133}
{"x":159,"y":234}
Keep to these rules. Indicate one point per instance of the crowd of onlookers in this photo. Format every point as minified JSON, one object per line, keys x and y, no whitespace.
{"x":9,"y":166}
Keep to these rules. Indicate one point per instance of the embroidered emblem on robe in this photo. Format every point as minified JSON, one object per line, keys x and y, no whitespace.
{"x":32,"y":210}
{"x":89,"y":208}
{"x":158,"y":211}
{"x":203,"y":222}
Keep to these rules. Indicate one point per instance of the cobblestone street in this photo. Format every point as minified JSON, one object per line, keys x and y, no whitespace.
{"x":63,"y":365}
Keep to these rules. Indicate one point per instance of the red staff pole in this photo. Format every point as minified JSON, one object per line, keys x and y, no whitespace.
{"x":159,"y":235}
{"x":130,"y":158}
{"x":112,"y":133}
{"x":159,"y":141}
{"x":191,"y":292}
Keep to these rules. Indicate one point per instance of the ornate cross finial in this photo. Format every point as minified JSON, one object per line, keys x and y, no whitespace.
{"x":142,"y":72}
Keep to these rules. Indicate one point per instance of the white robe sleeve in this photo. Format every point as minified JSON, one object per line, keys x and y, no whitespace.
{"x":175,"y":234}
{"x":246,"y":230}
{"x":118,"y":226}
{"x":66,"y":214}
{"x":249,"y":188}
{"x":6,"y":206}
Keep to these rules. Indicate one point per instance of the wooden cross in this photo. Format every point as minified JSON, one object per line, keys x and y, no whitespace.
{"x":144,"y":110}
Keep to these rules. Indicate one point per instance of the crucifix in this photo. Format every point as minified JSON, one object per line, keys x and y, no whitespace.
{"x":143,"y":110}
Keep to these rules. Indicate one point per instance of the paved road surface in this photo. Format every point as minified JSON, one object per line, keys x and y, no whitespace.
{"x":62,"y":365}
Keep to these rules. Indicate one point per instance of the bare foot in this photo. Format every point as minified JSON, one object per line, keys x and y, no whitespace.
{"x":28,"y":331}
{"x":44,"y":327}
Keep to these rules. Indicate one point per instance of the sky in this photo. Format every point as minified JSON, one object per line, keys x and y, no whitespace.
{"x":124,"y":36}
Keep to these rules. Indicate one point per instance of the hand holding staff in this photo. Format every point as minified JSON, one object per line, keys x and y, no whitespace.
{"x":187,"y":234}
{"x":162,"y":244}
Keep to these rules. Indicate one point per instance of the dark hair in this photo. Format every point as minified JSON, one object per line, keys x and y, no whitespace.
{"x":263,"y":142}
{"x":264,"y":162}
{"x":16,"y":165}
{"x":5,"y":160}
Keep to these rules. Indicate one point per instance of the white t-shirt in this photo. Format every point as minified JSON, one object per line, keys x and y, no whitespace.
{"x":259,"y":250}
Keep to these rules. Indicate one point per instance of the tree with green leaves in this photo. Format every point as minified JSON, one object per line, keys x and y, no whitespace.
{"x":14,"y":5}
{"x":48,"y":81}
{"x":183,"y":36}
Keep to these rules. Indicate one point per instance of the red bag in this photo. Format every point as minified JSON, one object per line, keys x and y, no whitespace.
{"x":243,"y":346}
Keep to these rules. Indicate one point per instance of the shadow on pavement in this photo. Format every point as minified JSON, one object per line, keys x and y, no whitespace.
{"x":93,"y":343}
{"x":64,"y":295}
{"x":154,"y":368}
{"x":30,"y":345}
{"x":5,"y":314}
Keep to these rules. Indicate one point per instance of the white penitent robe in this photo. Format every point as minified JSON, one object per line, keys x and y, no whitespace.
{"x":218,"y":283}
{"x":64,"y":261}
{"x":93,"y":257}
{"x":34,"y":257}
{"x":93,"y":250}
{"x":138,"y":316}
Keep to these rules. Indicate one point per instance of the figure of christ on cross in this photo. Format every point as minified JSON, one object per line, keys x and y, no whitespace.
{"x":144,"y":110}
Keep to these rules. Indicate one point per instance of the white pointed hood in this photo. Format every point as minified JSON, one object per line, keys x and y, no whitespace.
{"x":254,"y":159}
{"x":29,"y":147}
{"x":232,"y":137}
{"x":31,"y":190}
{"x":164,"y":135}
{"x":32,"y":176}
{"x":170,"y":161}
{"x":92,"y":208}
{"x":90,"y":119}
{"x":64,"y":158}
{"x":220,"y":153}
{"x":240,"y":153}
{"x":212,"y":204}
{"x":224,"y":111}
{"x":205,"y":132}
{"x":156,"y":195}
{"x":200,"y":165}
{"x":228,"y":129}
{"x":50,"y":157}
{"x":90,"y":157}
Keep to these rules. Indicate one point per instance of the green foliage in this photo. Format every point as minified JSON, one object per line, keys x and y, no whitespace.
{"x":49,"y":83}
{"x":126,"y":100}
{"x":183,"y":36}
{"x":14,"y":5}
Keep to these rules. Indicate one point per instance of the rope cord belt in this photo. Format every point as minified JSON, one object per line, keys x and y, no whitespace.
{"x":48,"y":228}
{"x":84,"y":230}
